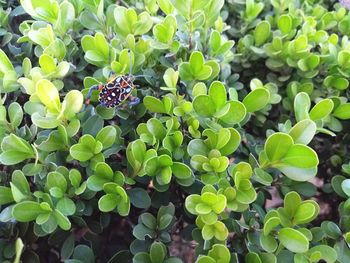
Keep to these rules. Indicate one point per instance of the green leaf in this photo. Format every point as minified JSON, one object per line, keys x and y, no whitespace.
{"x":173,"y":260}
{"x":96,"y":49}
{"x":301,"y":156}
{"x":218,"y":229}
{"x":293,"y":240}
{"x":140,"y":231}
{"x":205,"y":259}
{"x":292,"y":201}
{"x":19,"y":186}
{"x":154,"y":105}
{"x":15,"y":113}
{"x":66,"y":17}
{"x":103,"y":174}
{"x":197,"y":147}
{"x":84,"y":253}
{"x":144,"y":24}
{"x":207,"y":232}
{"x":215,"y":41}
{"x":49,"y":11}
{"x":321,"y":110}
{"x":136,"y":152}
{"x":268,"y":257}
{"x":345,"y":185}
{"x":336,"y":185}
{"x":235,"y":114}
{"x":62,"y":221}
{"x":27,"y":211}
{"x":204,"y":106}
{"x":73,"y":102}
{"x":343,"y":58}
{"x":196,"y":62}
{"x":156,"y":128}
{"x":328,"y":253}
{"x":309,"y":63}
{"x":165,"y":221}
{"x":128,"y":22}
{"x":303,"y":132}
{"x":13,"y":157}
{"x":142,"y":257}
{"x":252,"y":257}
{"x":47,"y":63}
{"x":217,"y":94}
{"x":81,"y":153}
{"x":199,"y":89}
{"x":75,"y":177}
{"x":48,"y":95}
{"x":56,"y":179}
{"x":47,"y":122}
{"x":93,"y":125}
{"x":107,"y":136}
{"x":67,"y":247}
{"x":5,"y":195}
{"x":107,"y":203}
{"x":163,"y":177}
{"x":262,"y":33}
{"x":89,"y":20}
{"x":277,"y":146}
{"x":171,"y":77}
{"x":139,"y":198}
{"x":203,"y":209}
{"x":158,"y":252}
{"x":196,"y":68}
{"x":220,"y":253}
{"x":19,"y":250}
{"x":148,"y":220}
{"x":301,"y":106}
{"x":331,"y":229}
{"x":268,"y":243}
{"x":181,"y":171}
{"x":15,"y":150}
{"x":336,"y":82}
{"x":66,"y":206}
{"x":298,"y":174}
{"x":56,"y":192}
{"x":6,"y":64}
{"x":56,"y":48}
{"x":285,"y":23}
{"x":256,"y":99}
{"x":8,"y":75}
{"x":165,"y":31}
{"x":262,"y":177}
{"x":165,"y":6}
{"x":342,"y":112}
{"x":85,"y":149}
{"x":270,"y":224}
{"x":305,"y":213}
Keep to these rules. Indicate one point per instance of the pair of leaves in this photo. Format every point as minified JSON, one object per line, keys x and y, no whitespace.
{"x":197,"y":68}
{"x":15,"y":150}
{"x":215,"y":104}
{"x":297,"y":161}
{"x":88,"y":146}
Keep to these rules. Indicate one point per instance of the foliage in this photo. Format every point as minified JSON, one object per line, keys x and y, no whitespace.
{"x":241,"y":102}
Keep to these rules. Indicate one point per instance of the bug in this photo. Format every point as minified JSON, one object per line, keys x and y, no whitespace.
{"x":117,"y":90}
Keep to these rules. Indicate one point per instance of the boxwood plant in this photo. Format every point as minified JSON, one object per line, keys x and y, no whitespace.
{"x":237,"y":152}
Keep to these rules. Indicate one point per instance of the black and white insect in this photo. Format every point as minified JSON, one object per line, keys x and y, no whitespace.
{"x":117,"y":90}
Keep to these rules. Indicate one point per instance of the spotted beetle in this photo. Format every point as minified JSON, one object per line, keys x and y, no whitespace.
{"x":117,"y":90}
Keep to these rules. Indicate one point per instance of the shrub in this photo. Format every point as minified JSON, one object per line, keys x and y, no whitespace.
{"x":242,"y":102}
